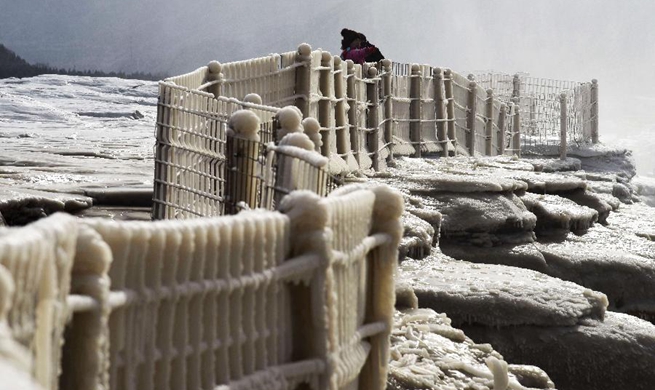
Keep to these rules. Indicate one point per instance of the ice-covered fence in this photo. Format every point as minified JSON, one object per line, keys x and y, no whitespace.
{"x":190,"y":150}
{"x":39,"y":258}
{"x":272,"y":77}
{"x":540,"y":104}
{"x":403,"y":144}
{"x":261,"y":299}
{"x":357,"y":267}
{"x":289,"y":168}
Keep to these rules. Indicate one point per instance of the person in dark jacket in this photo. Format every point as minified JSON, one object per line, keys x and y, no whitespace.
{"x":355,"y":47}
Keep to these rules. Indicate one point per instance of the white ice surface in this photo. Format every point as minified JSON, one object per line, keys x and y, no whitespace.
{"x":64,"y":133}
{"x":497,"y":295}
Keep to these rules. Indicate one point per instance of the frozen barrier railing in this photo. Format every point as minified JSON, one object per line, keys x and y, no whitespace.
{"x":552,"y":112}
{"x":202,"y":171}
{"x":39,"y":259}
{"x":301,"y":298}
{"x":367,"y":113}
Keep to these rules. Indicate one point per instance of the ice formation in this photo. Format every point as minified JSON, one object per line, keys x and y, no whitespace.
{"x":428,"y":353}
{"x":245,"y":125}
{"x":299,"y":140}
{"x":39,"y":258}
{"x":289,"y":121}
{"x":312,"y":129}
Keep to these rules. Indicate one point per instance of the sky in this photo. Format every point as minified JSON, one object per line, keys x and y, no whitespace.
{"x":575,"y":40}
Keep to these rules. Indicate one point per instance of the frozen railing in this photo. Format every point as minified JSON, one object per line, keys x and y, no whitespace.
{"x":367,"y":113}
{"x":199,"y":169}
{"x":39,"y":259}
{"x":301,"y":298}
{"x":552,"y":112}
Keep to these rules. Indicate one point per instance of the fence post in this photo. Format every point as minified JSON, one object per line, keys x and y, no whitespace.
{"x":388,"y":106}
{"x":516,"y":82}
{"x":340,"y":122}
{"x":415,"y":109}
{"x":242,"y":182}
{"x":325,"y":103}
{"x":516,"y":131}
{"x":450,"y":109}
{"x":562,"y":126}
{"x":303,"y":77}
{"x":501,"y":129}
{"x":372,"y":122}
{"x":489,"y":124}
{"x":470,"y":117}
{"x":215,"y":74}
{"x":438,"y":79}
{"x":594,"y":111}
{"x":351,"y":93}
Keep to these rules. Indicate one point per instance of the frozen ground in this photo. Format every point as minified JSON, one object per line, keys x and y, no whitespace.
{"x":533,"y":249}
{"x":70,"y":134}
{"x":549,"y":248}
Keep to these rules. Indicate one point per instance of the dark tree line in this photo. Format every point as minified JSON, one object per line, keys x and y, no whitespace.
{"x":12,"y":65}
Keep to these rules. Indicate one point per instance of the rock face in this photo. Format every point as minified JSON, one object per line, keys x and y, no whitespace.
{"x":616,"y":353}
{"x":550,"y":250}
{"x":499,"y":296}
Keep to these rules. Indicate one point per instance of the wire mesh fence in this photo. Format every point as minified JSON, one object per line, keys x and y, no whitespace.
{"x":540,"y":107}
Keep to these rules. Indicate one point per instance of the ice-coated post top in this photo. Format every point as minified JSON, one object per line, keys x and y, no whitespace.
{"x":386,"y":64}
{"x":337,"y":61}
{"x":372,"y":71}
{"x":304,"y":52}
{"x":594,"y":81}
{"x":562,"y":96}
{"x":490,"y":92}
{"x":288,"y":118}
{"x":350,"y":65}
{"x":472,"y":84}
{"x":326,"y":57}
{"x":214,"y":68}
{"x":447,"y":72}
{"x":299,"y":140}
{"x":471,"y":77}
{"x":245,"y":125}
{"x":313,"y":131}
{"x":416,"y":68}
{"x":437,"y":73}
{"x":253,"y":98}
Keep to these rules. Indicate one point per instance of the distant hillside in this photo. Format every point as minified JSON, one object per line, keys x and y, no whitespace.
{"x":12,"y":65}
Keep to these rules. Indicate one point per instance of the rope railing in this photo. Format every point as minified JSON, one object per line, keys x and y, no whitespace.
{"x":367,"y":115}
{"x":541,"y":107}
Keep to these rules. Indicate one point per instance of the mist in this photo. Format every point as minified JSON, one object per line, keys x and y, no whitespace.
{"x":582,"y":40}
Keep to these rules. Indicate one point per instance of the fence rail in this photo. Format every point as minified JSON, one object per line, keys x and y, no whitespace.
{"x":301,"y":298}
{"x":546,"y":117}
{"x":365,"y":116}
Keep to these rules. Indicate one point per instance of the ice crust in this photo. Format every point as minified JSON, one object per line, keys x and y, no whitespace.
{"x":495,"y":295}
{"x":428,"y":353}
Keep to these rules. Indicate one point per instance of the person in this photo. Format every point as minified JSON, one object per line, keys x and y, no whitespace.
{"x":376,"y":55}
{"x":355,"y":47}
